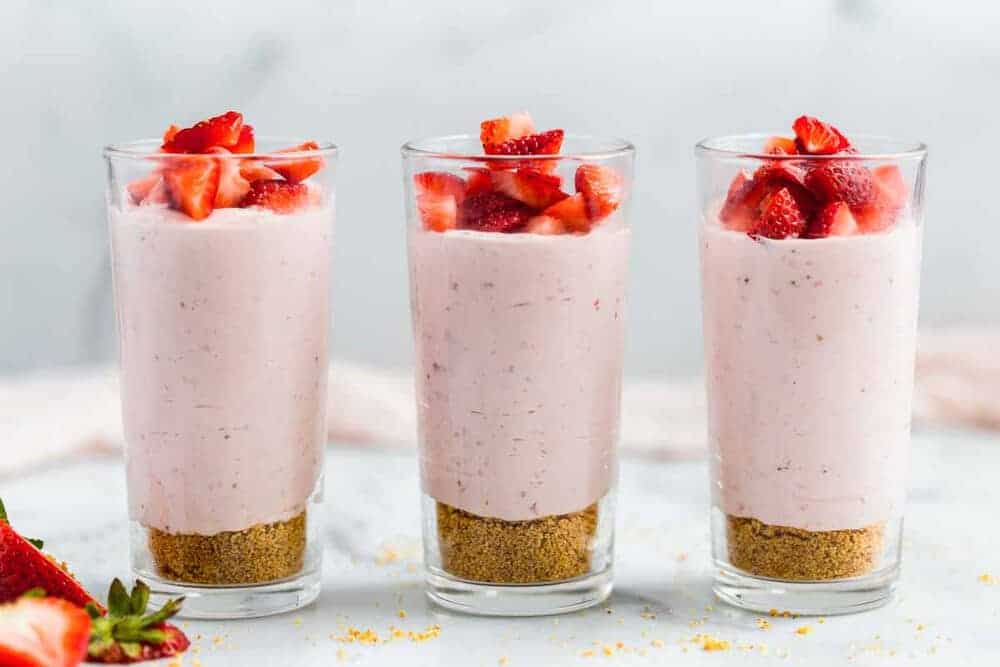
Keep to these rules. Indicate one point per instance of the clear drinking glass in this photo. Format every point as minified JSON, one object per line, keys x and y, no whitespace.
{"x":518,"y":341}
{"x":809,"y":354}
{"x":223,"y":330}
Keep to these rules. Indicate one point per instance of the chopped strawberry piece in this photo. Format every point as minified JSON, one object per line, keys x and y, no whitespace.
{"x":440,"y":183}
{"x":545,"y":143}
{"x":439,"y":212}
{"x":814,"y":137}
{"x":499,"y":130}
{"x":246,"y":143}
{"x":572,"y":212}
{"x":158,"y":195}
{"x":43,"y":632}
{"x":493,"y":212}
{"x":479,"y":181}
{"x":139,"y":189}
{"x":279,"y":196}
{"x":530,"y":186}
{"x":890,"y":186}
{"x":298,"y":170}
{"x":233,"y":186}
{"x":221,"y":130}
{"x":255,"y":170}
{"x":780,"y":146}
{"x":545,"y":225}
{"x":170,"y":133}
{"x":736,"y":214}
{"x":192,"y":184}
{"x":602,"y":189}
{"x":834,"y":219}
{"x":842,"y":180}
{"x":780,"y":217}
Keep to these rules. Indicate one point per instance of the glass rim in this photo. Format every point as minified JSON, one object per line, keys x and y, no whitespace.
{"x":618,"y":147}
{"x":144,"y":149}
{"x":715,"y":146}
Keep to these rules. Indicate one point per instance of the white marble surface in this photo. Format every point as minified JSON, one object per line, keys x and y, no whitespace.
{"x":944,"y":614}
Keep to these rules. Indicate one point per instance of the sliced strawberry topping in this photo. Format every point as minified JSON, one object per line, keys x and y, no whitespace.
{"x":736,"y":213}
{"x":545,"y":225}
{"x":780,"y":217}
{"x":834,"y":219}
{"x":814,"y":137}
{"x":139,"y":189}
{"x":170,"y":133}
{"x":233,"y":186}
{"x":479,"y":181}
{"x":845,"y":181}
{"x":545,"y":143}
{"x":439,"y":212}
{"x":890,"y":186}
{"x":499,"y":130}
{"x":192,"y":184}
{"x":255,"y":170}
{"x":602,"y":189}
{"x":572,"y":212}
{"x":298,"y":170}
{"x":246,"y":143}
{"x":493,"y":212}
{"x":780,"y":146}
{"x":530,"y":186}
{"x":440,"y":183}
{"x":279,"y":196}
{"x":221,"y":130}
{"x":158,"y":195}
{"x":43,"y":632}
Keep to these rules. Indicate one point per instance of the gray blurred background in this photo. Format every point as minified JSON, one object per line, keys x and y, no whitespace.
{"x":369,"y":75}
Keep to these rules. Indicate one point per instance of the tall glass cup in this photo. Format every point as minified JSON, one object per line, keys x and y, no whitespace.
{"x":809,"y":355}
{"x":518,"y":340}
{"x":223,"y":325}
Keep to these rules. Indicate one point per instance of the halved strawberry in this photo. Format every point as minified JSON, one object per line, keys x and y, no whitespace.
{"x":255,"y":170}
{"x":479,"y":181}
{"x":440,"y":183}
{"x":602,"y":189}
{"x":170,"y":133}
{"x":23,"y":567}
{"x":814,"y":137}
{"x":499,"y":130}
{"x":192,"y":184}
{"x":298,"y":170}
{"x":279,"y":196}
{"x":128,"y":634}
{"x":545,"y":143}
{"x":780,"y":146}
{"x":530,"y":186}
{"x":43,"y":632}
{"x":140,"y":188}
{"x":545,"y":225}
{"x":834,"y":219}
{"x":890,"y":186}
{"x":493,"y":212}
{"x":246,"y":143}
{"x":221,"y":130}
{"x":736,"y":213}
{"x":780,"y":217}
{"x":771,"y":176}
{"x":233,"y":186}
{"x":439,"y":212}
{"x":842,"y":180}
{"x":572,"y":213}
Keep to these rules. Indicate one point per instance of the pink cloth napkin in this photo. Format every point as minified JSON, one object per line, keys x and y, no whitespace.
{"x":51,"y":416}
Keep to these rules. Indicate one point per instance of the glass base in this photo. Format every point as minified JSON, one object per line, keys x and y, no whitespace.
{"x":481,"y":599}
{"x":811,"y":598}
{"x":232,"y":602}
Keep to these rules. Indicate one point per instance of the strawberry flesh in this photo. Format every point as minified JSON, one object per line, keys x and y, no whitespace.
{"x":572,"y":213}
{"x":440,"y":183}
{"x":842,"y":180}
{"x":780,"y":146}
{"x":233,"y":186}
{"x":245,"y":143}
{"x":834,"y":219}
{"x":544,"y":143}
{"x":532,"y":187}
{"x":814,"y":137}
{"x":279,"y":196}
{"x":438,"y":212}
{"x":493,"y":212}
{"x":23,"y":567}
{"x":140,"y":188}
{"x":221,"y":131}
{"x":479,"y":181}
{"x":780,"y":217}
{"x":499,"y":130}
{"x":43,"y":632}
{"x":298,"y":169}
{"x":602,"y":189}
{"x":192,"y":185}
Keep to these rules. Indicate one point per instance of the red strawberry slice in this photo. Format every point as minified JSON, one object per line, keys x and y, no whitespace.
{"x":572,"y":212}
{"x":493,"y":212}
{"x":602,"y":189}
{"x":233,"y":186}
{"x":780,"y":146}
{"x":191,"y":185}
{"x":158,"y":195}
{"x":545,"y":143}
{"x":780,"y":217}
{"x":736,"y":213}
{"x":890,"y":197}
{"x":255,"y":170}
{"x":530,"y":186}
{"x":440,"y":183}
{"x":246,"y":143}
{"x":170,"y":133}
{"x":279,"y":196}
{"x":499,"y":130}
{"x":298,"y":170}
{"x":842,"y":180}
{"x":814,"y":137}
{"x":545,"y":225}
{"x":140,"y":188}
{"x":221,"y":130}
{"x":24,"y":567}
{"x":834,"y":219}
{"x":43,"y":632}
{"x":479,"y":181}
{"x":439,"y":212}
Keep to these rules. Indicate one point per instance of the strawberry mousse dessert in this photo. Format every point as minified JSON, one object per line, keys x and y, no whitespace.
{"x":221,"y":250}
{"x":518,"y":253}
{"x":810,"y":269}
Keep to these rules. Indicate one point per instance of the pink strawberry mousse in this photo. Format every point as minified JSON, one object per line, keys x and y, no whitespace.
{"x":809,"y":355}
{"x":223,"y":327}
{"x":519,"y":343}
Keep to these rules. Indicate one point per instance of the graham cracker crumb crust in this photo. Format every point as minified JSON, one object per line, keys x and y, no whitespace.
{"x":258,"y":554}
{"x":793,"y":554}
{"x":490,"y":550}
